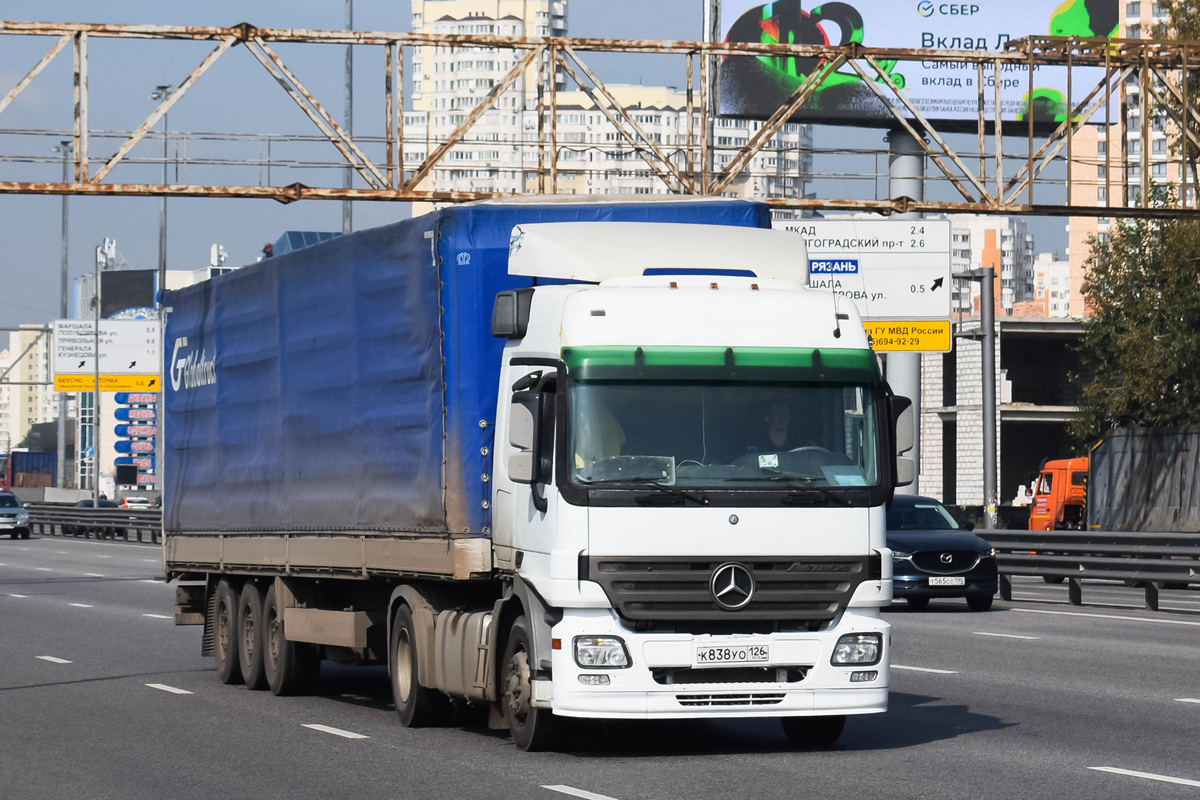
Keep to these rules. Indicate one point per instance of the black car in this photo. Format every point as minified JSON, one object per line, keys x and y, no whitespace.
{"x":933,"y":555}
{"x":14,"y":519}
{"x":83,"y":530}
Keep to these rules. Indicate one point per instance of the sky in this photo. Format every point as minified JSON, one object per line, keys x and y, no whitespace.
{"x":237,"y":96}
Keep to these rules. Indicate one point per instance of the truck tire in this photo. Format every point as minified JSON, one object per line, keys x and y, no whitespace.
{"x":813,"y":731}
{"x":291,"y":668}
{"x":530,"y":727}
{"x":250,"y":637}
{"x":416,"y":705}
{"x":225,"y":634}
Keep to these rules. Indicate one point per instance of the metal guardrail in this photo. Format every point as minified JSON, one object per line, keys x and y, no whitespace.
{"x":1152,"y":561}
{"x":127,"y":524}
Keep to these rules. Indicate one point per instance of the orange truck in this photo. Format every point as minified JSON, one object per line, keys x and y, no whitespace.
{"x":1060,"y":496}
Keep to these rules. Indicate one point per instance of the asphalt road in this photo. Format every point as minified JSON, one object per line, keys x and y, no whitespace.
{"x":101,"y":696}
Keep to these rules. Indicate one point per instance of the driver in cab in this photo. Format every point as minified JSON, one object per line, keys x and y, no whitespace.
{"x":778,"y":436}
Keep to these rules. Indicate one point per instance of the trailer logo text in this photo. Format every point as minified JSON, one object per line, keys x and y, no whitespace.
{"x":193,"y":370}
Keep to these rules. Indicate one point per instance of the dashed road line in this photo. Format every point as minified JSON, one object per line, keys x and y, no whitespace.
{"x":1003,"y":635}
{"x":1187,"y":699}
{"x":1107,"y":616}
{"x":21,"y":596}
{"x":100,"y":556}
{"x":55,"y":660}
{"x":1150,"y":776}
{"x":80,"y":605}
{"x":92,"y":575}
{"x":172,"y":689}
{"x":573,"y":792}
{"x":150,"y":580}
{"x":43,"y":569}
{"x":157,"y":616}
{"x":150,"y":560}
{"x":926,"y":669}
{"x":336,"y":731}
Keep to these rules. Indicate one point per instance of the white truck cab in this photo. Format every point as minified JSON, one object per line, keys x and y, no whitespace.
{"x":693,"y":455}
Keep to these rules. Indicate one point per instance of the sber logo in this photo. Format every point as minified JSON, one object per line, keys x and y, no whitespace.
{"x":192,"y":370}
{"x":925,"y":8}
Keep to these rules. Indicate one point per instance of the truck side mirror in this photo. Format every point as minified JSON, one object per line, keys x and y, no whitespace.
{"x":903,"y":425}
{"x":522,"y":435}
{"x":510,"y":313}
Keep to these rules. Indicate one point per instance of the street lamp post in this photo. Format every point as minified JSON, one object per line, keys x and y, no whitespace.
{"x":161,"y":93}
{"x":67,"y":148}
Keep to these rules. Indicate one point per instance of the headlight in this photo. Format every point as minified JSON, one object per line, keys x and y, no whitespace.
{"x":901,"y":554}
{"x":601,"y":652}
{"x":22,"y":517}
{"x":857,"y":648}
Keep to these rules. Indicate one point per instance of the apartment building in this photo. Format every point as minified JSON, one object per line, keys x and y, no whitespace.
{"x":29,"y":398}
{"x":979,"y":241}
{"x":501,"y":151}
{"x":1107,"y":159}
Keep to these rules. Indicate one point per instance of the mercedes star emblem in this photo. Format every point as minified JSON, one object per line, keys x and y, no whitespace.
{"x":732,"y":586}
{"x":947,"y":558}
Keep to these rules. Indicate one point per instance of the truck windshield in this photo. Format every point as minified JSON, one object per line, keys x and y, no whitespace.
{"x":723,"y":434}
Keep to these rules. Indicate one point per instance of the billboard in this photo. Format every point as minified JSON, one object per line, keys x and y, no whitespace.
{"x":943,"y":92}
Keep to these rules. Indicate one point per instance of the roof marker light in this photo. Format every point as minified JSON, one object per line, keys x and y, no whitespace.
{"x":713,"y":285}
{"x":674,"y":285}
{"x":754,"y":287}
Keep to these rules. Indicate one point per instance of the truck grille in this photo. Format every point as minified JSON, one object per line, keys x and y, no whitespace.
{"x":804,"y":590}
{"x":752,"y":699}
{"x":669,"y":676}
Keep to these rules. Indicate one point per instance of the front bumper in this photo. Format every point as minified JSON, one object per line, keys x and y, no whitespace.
{"x":908,"y":581}
{"x":634,"y":693}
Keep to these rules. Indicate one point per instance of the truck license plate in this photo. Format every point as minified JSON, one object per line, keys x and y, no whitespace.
{"x":716,"y":655}
{"x":947,"y":581}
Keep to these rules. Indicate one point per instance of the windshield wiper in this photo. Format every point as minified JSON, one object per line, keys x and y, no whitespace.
{"x":684,"y":495}
{"x":801,"y":482}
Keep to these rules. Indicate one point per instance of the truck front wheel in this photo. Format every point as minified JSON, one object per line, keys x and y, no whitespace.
{"x":417,"y":706}
{"x":225,"y":634}
{"x":813,"y":731}
{"x":529,"y":726}
{"x":291,"y":667}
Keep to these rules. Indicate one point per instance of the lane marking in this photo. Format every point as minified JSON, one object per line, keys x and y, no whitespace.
{"x":1106,"y":616}
{"x":336,"y":731}
{"x":150,"y":580}
{"x":100,"y":556}
{"x":157,"y":616}
{"x":1003,"y":635}
{"x":22,"y":596}
{"x":80,"y":605}
{"x":1150,"y":776}
{"x":172,"y":689}
{"x":54,"y":660}
{"x":571,"y":790}
{"x":1187,"y":700}
{"x":927,"y":669}
{"x":92,"y":575}
{"x":61,"y":552}
{"x":150,"y":560}
{"x":43,"y":569}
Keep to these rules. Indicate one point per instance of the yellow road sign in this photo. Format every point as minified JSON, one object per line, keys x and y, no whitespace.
{"x":108,"y":383}
{"x":899,"y":335}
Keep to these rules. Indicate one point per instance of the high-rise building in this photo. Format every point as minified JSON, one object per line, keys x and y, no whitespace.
{"x":1052,"y":285}
{"x":1108,"y":156}
{"x":979,"y":241}
{"x":29,"y":399}
{"x":500,"y":152}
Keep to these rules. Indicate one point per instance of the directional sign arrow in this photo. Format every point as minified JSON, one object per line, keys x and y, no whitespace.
{"x":937,"y":284}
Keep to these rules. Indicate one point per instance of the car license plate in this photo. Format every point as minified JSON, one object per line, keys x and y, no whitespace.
{"x":947,"y":581}
{"x":717,"y":655}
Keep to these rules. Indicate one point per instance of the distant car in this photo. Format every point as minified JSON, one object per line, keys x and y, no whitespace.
{"x":933,"y":555}
{"x":81,"y":530}
{"x":136,"y":502}
{"x":14,"y":519}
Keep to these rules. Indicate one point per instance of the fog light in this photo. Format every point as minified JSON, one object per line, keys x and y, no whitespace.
{"x":862,"y":676}
{"x":593,"y":679}
{"x":857,"y":648}
{"x":601,"y":652}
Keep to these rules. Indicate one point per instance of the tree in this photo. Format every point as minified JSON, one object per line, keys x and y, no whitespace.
{"x":1183,"y":24}
{"x":1141,"y":346}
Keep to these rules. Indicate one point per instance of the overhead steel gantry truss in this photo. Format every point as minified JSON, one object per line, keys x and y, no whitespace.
{"x":687,"y":168}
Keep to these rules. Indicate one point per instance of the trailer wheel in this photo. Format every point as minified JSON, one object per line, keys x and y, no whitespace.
{"x":416,"y":705}
{"x":225,"y":635}
{"x":291,"y":668}
{"x":813,"y":731}
{"x":530,"y":727}
{"x":250,"y":636}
